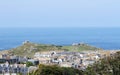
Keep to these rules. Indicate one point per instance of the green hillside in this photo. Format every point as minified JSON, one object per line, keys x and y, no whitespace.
{"x":29,"y":49}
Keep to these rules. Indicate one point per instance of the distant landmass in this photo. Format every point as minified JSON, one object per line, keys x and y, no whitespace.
{"x":29,"y":49}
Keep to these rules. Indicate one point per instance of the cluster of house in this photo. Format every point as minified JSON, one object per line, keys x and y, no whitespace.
{"x":78,"y":60}
{"x":13,"y":65}
{"x":14,"y":68}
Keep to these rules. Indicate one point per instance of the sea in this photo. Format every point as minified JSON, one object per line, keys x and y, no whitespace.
{"x":105,"y":38}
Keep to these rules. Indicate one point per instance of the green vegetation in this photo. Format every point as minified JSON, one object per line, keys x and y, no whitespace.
{"x":55,"y":70}
{"x":28,"y":64}
{"x":107,"y":66}
{"x":29,"y":49}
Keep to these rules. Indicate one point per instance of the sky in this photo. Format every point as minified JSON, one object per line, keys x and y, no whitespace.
{"x":59,"y":13}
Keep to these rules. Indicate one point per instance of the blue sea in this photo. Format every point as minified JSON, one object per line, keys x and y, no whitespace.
{"x":106,"y":38}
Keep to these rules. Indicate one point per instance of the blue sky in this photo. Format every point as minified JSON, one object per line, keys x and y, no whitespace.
{"x":60,"y":13}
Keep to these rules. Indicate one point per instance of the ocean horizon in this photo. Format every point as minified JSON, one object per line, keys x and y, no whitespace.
{"x":105,"y":38}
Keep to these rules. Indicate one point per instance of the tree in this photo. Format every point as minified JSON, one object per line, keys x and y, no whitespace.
{"x":56,"y":70}
{"x":28,"y":64}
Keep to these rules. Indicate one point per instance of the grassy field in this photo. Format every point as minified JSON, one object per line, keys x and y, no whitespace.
{"x":80,"y":48}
